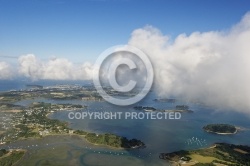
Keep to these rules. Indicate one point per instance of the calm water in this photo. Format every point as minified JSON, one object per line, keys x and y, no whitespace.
{"x":159,"y":135}
{"x":163,"y":135}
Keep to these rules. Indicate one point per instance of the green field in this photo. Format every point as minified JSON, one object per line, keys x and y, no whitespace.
{"x":220,"y":153}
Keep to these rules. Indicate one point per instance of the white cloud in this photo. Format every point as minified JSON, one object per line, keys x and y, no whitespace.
{"x":54,"y":69}
{"x":211,"y":66}
{"x":30,"y":66}
{"x":5,"y":71}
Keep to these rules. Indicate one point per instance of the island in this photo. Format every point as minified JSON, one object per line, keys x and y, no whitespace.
{"x":220,"y":129}
{"x":33,"y":86}
{"x":165,"y":100}
{"x":145,"y":108}
{"x":179,"y":108}
{"x":218,"y":154}
{"x":182,"y":107}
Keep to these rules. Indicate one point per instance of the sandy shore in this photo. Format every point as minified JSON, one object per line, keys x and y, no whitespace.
{"x":222,"y":133}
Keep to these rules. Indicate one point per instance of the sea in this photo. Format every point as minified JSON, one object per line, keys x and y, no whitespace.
{"x":159,"y":135}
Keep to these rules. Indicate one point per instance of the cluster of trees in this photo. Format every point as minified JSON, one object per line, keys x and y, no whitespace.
{"x":234,"y":156}
{"x":182,"y":107}
{"x":41,"y":104}
{"x":204,"y":164}
{"x":175,"y":156}
{"x":165,"y":100}
{"x":113,"y":140}
{"x":48,"y":106}
{"x":12,"y":158}
{"x":105,"y":139}
{"x":80,"y":132}
{"x":3,"y":152}
{"x":226,"y":154}
{"x":220,"y":128}
{"x":78,"y":106}
{"x":25,"y":131}
{"x":143,"y":108}
{"x":9,"y":106}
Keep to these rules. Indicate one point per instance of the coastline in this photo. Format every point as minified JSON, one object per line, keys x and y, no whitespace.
{"x":78,"y":135}
{"x":67,"y":123}
{"x":221,"y":129}
{"x":236,"y":154}
{"x":73,"y":134}
{"x":222,"y":133}
{"x":10,"y":151}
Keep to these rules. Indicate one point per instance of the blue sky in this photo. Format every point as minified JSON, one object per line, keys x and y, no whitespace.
{"x":81,"y":29}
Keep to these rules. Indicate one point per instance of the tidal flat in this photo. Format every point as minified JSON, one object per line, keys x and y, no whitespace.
{"x":58,"y":150}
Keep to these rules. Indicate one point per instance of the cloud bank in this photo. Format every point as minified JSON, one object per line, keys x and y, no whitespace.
{"x":5,"y":71}
{"x":212,"y":67}
{"x":54,"y":69}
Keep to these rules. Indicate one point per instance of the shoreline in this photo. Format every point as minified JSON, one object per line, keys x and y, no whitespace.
{"x":112,"y":147}
{"x":212,"y":154}
{"x":68,"y":134}
{"x":222,"y":133}
{"x":17,"y":150}
{"x":83,"y":137}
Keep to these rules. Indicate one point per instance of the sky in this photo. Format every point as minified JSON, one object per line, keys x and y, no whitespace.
{"x":199,"y":49}
{"x":80,"y":30}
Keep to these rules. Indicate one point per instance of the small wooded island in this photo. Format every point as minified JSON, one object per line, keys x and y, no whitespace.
{"x":178,"y":108}
{"x":220,"y":128}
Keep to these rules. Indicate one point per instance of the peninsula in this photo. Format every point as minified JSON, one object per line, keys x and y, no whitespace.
{"x":218,"y":154}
